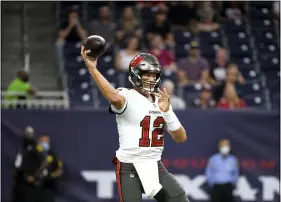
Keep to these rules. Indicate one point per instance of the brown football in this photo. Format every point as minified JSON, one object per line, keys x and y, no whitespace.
{"x":95,"y":46}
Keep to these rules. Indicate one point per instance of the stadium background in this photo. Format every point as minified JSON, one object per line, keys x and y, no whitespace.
{"x":73,"y":113}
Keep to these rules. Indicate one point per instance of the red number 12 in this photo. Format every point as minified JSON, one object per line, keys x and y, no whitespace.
{"x":157,"y":139}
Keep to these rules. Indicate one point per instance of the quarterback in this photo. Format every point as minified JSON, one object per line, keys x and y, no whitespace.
{"x":142,"y":114}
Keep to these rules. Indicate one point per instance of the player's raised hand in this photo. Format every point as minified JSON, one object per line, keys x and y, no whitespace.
{"x":90,"y":63}
{"x":163,"y":100}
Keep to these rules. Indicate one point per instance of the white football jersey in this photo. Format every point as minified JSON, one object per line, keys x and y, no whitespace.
{"x":140,"y":126}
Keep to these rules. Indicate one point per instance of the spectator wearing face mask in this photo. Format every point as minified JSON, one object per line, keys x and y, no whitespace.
{"x":222,"y":173}
{"x":52,"y":172}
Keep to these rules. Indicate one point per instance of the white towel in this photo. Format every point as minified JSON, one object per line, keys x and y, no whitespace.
{"x":149,"y":176}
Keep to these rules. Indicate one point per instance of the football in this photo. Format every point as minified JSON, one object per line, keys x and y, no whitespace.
{"x":94,"y":46}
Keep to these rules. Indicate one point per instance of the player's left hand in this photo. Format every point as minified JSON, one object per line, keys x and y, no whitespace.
{"x":163,"y":100}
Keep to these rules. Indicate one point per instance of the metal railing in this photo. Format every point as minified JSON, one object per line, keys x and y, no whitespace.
{"x":42,"y":99}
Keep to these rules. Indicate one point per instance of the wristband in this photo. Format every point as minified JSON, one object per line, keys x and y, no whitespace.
{"x":171,"y":120}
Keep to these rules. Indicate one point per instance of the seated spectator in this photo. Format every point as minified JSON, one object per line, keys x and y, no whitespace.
{"x":218,"y":71}
{"x":205,"y":100}
{"x":164,"y":56}
{"x":230,"y":99}
{"x":233,"y":76}
{"x":207,"y":17}
{"x":103,"y":26}
{"x":161,"y":26}
{"x":124,"y":56}
{"x":234,"y":10}
{"x":194,"y":68}
{"x":71,"y":31}
{"x":127,"y":27}
{"x":219,"y":68}
{"x":19,"y":89}
{"x":176,"y":102}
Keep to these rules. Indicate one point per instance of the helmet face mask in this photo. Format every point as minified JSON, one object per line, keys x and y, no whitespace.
{"x":141,"y":64}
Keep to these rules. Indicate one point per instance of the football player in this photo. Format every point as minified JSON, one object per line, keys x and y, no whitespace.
{"x":142,"y":113}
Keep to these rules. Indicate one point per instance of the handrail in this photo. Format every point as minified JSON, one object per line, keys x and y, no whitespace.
{"x":43,"y":99}
{"x":40,"y":93}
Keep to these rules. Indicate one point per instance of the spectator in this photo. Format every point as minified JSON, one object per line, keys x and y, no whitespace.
{"x":233,"y":76}
{"x":128,"y":27}
{"x":164,"y":56}
{"x":222,"y":62}
{"x":176,"y":102}
{"x":124,"y":56}
{"x":222,"y":173}
{"x":194,"y":68}
{"x":103,"y":26}
{"x":71,"y":31}
{"x":54,"y":168}
{"x":19,"y":89}
{"x":161,"y":26}
{"x":205,"y":100}
{"x":230,"y":99}
{"x":207,"y":17}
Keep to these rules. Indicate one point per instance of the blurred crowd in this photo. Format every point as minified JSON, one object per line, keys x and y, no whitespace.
{"x":130,"y":35}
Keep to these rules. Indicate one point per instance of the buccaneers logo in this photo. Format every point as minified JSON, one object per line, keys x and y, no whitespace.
{"x":136,"y":60}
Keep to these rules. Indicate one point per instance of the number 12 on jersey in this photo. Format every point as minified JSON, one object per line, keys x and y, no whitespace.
{"x":157,"y":138}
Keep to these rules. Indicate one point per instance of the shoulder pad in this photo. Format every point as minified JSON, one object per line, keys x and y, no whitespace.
{"x":39,"y":148}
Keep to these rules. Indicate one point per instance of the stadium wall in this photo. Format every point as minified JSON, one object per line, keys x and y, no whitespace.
{"x":86,"y":141}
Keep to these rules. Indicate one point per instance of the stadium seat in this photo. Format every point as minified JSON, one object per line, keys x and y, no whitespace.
{"x":249,"y":88}
{"x":234,"y":26}
{"x":250,"y":74}
{"x":255,"y":100}
{"x":183,"y":37}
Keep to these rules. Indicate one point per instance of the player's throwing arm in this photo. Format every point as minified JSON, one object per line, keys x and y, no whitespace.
{"x":108,"y":91}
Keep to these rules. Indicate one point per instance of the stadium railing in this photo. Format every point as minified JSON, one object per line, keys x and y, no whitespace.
{"x":42,"y":99}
